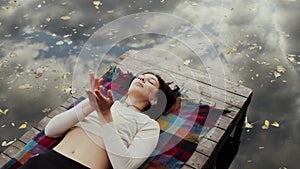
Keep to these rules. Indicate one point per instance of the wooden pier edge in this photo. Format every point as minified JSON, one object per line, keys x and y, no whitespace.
{"x":209,"y":146}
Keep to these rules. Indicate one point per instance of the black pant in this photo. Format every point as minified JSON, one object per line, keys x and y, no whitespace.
{"x":52,"y":160}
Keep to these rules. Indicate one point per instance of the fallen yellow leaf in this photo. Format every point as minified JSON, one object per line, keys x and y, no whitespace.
{"x":266,"y":125}
{"x":23,"y":126}
{"x":277,"y":74}
{"x":25,"y":86}
{"x":4,"y":112}
{"x":275,"y":124}
{"x":281,"y":69}
{"x":229,"y":51}
{"x":110,"y":11}
{"x":65,"y":17}
{"x":247,"y":124}
{"x":46,"y":110}
{"x":5,"y":143}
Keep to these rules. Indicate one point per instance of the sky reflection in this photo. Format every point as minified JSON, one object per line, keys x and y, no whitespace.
{"x":252,"y":39}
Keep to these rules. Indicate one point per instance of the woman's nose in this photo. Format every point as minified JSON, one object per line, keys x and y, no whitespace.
{"x":142,"y":79}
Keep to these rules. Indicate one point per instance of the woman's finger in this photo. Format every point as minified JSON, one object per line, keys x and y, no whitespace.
{"x":110,"y":96}
{"x":100,"y":95}
{"x":100,"y":89}
{"x":101,"y":81}
{"x":96,"y":84}
{"x":92,"y":79}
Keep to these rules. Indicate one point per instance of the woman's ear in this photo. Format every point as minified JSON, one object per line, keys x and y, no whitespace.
{"x":153,"y":101}
{"x":153,"y":98}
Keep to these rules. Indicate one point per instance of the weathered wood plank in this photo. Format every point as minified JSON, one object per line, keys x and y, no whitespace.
{"x":11,"y":151}
{"x":187,"y":167}
{"x":215,"y":134}
{"x":67,"y":103}
{"x":206,"y":146}
{"x":3,"y":159}
{"x":18,"y":144}
{"x":78,"y":94}
{"x":29,"y":135}
{"x":197,"y":160}
{"x":56,"y":111}
{"x":224,"y":122}
{"x":41,"y":124}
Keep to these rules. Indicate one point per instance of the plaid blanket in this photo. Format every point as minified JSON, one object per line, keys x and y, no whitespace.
{"x":179,"y":136}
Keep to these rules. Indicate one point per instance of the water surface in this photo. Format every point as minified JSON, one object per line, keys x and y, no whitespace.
{"x":257,"y":41}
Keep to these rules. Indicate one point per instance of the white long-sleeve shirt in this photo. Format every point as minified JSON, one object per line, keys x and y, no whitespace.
{"x":129,"y":140}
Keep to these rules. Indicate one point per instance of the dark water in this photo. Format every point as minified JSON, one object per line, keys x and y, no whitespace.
{"x":257,"y":42}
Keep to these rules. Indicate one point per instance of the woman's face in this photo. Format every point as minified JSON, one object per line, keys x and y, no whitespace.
{"x":144,"y":85}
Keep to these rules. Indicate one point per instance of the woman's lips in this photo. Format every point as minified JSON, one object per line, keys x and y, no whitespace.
{"x":139,"y":84}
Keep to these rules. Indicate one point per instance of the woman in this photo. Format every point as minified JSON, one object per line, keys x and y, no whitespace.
{"x":102,"y":133}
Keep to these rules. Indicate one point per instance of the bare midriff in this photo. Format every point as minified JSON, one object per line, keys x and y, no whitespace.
{"x":77,"y":145}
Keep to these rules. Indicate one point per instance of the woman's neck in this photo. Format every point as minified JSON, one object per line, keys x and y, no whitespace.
{"x":134,"y":103}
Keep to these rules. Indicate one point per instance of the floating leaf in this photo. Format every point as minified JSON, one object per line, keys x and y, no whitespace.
{"x":46,"y":110}
{"x":8,"y":7}
{"x":12,"y":55}
{"x":69,"y":42}
{"x":281,"y":69}
{"x":65,"y":17}
{"x":25,"y":86}
{"x":13,"y":124}
{"x":69,"y":90}
{"x":5,"y":144}
{"x":275,"y":124}
{"x":4,"y":112}
{"x":284,"y":167}
{"x":187,"y":62}
{"x":97,"y":3}
{"x":247,"y":124}
{"x":66,"y":75}
{"x":277,"y":74}
{"x":229,"y":51}
{"x":291,"y":55}
{"x":110,"y":11}
{"x":7,"y":35}
{"x":266,"y":125}
{"x":292,"y":59}
{"x":48,"y":19}
{"x":86,"y":34}
{"x":59,"y":42}
{"x":23,"y":126}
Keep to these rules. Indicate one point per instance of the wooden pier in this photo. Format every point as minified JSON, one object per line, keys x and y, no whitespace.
{"x":229,"y":125}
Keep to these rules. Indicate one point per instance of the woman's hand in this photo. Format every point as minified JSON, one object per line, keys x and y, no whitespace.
{"x":97,"y":100}
{"x":94,"y":82}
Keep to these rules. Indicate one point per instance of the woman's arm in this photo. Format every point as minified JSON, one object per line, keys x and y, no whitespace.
{"x":61,"y":123}
{"x":133,"y":156}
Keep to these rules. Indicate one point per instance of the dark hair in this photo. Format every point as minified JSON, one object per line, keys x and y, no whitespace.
{"x":167,"y":93}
